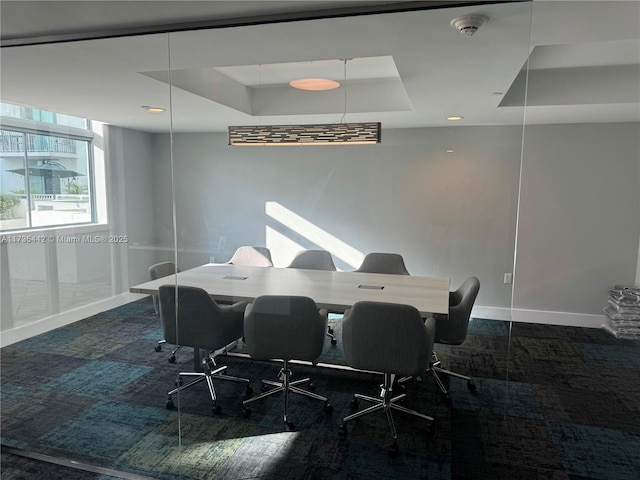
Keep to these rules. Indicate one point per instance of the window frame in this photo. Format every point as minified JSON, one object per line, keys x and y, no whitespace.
{"x":34,"y":127}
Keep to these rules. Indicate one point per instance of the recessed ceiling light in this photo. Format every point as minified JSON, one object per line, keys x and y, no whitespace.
{"x":315,"y":84}
{"x":153,"y":109}
{"x":454,"y":118}
{"x":449,"y":151}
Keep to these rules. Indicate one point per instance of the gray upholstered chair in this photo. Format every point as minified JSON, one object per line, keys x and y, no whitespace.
{"x":191,"y":318}
{"x":315,"y":260}
{"x":159,"y":270}
{"x":252,"y":256}
{"x":391,"y":339}
{"x":452,"y":329}
{"x":156,"y":271}
{"x":383,"y":263}
{"x":286,"y":328}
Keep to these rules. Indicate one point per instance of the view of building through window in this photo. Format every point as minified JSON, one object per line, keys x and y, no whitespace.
{"x":46,"y":169}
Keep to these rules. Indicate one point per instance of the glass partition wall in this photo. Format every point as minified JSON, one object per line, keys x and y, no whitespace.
{"x":569,"y":380}
{"x":167,"y":187}
{"x":78,"y":228}
{"x":441,"y":192}
{"x":460,"y":186}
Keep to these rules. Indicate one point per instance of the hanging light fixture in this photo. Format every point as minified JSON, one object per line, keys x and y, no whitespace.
{"x":366,"y":133}
{"x":296,"y":135}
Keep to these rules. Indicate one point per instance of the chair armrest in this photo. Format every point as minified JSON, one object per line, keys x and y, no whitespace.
{"x":236,"y":307}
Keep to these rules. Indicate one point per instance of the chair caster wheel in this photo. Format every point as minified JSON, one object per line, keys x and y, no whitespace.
{"x":216,"y":409}
{"x":311,"y":387}
{"x":328,"y":408}
{"x":264,"y":388}
{"x":248,"y":391}
{"x":246,"y":412}
{"x":172,"y":359}
{"x":158,"y":348}
{"x":289,"y":426}
{"x":342,"y":430}
{"x":393,"y":449}
{"x":418,"y":379}
{"x":353,"y":405}
{"x":179,"y":382}
{"x":334,"y":341}
{"x":170,"y":405}
{"x":471,"y":386}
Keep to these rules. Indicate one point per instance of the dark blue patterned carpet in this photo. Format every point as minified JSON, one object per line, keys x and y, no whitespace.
{"x":95,"y":392}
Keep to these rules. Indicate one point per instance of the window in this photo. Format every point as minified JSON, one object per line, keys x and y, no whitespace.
{"x":47,"y":169}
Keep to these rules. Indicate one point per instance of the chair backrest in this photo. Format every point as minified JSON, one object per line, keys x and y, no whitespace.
{"x":197,"y":320}
{"x":313,"y":260}
{"x":252,"y":256}
{"x":387,"y":338}
{"x":452,"y":329}
{"x":284,"y":327}
{"x":383,"y":263}
{"x":162,"y":269}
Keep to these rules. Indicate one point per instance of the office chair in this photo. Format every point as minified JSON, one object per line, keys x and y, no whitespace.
{"x":452,"y":329}
{"x":287,"y":328}
{"x":315,"y":260}
{"x":391,"y":339}
{"x":383,"y":263}
{"x":252,"y":256}
{"x":191,"y":318}
{"x":160,"y":270}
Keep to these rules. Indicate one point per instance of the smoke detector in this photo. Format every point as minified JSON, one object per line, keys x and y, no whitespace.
{"x":468,"y":24}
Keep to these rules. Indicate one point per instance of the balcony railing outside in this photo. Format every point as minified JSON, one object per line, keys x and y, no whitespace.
{"x":14,"y":143}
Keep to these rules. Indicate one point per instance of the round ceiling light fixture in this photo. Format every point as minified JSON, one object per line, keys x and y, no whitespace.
{"x":314,"y":84}
{"x":153,"y":109}
{"x":468,"y":24}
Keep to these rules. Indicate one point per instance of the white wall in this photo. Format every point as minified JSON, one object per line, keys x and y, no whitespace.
{"x":133,"y":202}
{"x":579,"y":216}
{"x":447,"y":214}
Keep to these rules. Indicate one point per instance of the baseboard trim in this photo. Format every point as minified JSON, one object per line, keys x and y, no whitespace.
{"x":46,"y":324}
{"x":494,"y":313}
{"x":569,"y":319}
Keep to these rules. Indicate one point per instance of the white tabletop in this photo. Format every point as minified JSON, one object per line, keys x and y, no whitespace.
{"x":336,"y":291}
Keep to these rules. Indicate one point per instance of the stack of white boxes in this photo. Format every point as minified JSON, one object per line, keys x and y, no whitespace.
{"x":622,"y":314}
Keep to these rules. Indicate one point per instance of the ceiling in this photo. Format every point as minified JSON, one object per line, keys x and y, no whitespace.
{"x":407,"y":69}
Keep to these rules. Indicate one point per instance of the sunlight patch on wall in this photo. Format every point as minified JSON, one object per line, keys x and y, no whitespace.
{"x":282,"y":247}
{"x":313,"y":233}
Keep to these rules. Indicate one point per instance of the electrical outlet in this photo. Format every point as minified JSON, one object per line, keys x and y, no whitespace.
{"x":211,"y":260}
{"x":508,"y":277}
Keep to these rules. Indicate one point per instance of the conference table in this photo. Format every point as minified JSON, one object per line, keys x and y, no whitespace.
{"x":334,"y":290}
